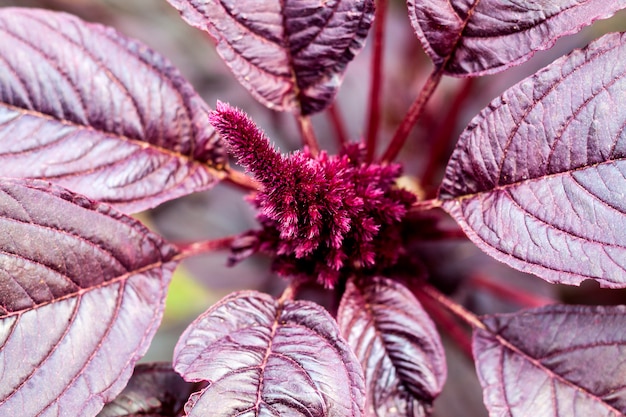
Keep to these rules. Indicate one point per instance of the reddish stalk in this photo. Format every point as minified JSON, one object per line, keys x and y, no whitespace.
{"x":454,"y":308}
{"x":373,"y":112}
{"x":425,"y":205}
{"x":241,"y":181}
{"x":337,"y":122}
{"x":444,"y":320}
{"x":412,"y":115}
{"x":441,"y":141}
{"x":515,"y":295}
{"x":197,"y":248}
{"x":308,"y":134}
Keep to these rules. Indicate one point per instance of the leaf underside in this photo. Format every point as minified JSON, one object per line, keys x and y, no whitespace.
{"x":266,"y":358}
{"x":93,"y":111}
{"x":477,"y":37}
{"x":154,"y":390}
{"x":537,"y":180}
{"x":398,"y":347}
{"x":82,"y":291}
{"x":290,"y":54}
{"x":555,"y":361}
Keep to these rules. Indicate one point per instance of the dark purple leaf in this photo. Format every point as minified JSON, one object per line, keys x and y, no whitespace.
{"x":476,"y":37}
{"x":82,"y":291}
{"x":537,"y":179}
{"x":555,"y":361}
{"x":398,"y":347}
{"x":155,"y":390}
{"x":264,"y":357}
{"x":101,"y":114}
{"x":291,"y":54}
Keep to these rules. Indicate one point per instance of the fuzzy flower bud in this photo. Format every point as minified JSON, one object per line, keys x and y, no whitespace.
{"x":321,"y":216}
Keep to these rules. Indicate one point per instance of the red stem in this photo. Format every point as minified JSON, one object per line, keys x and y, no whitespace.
{"x":373,"y":113}
{"x":439,"y":145}
{"x":513,"y":294}
{"x":444,"y":320}
{"x":196,"y":248}
{"x":412,"y":116}
{"x":338,"y":125}
{"x":308,"y":134}
{"x":425,"y":205}
{"x":454,"y":308}
{"x":241,"y":181}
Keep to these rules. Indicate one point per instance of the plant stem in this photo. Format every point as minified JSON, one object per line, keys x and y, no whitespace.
{"x":425,"y":205}
{"x":373,"y":113}
{"x":455,"y":308}
{"x":413,"y":115}
{"x":516,"y":295}
{"x":439,"y":145}
{"x":196,"y":248}
{"x":289,"y":293}
{"x":338,"y":125}
{"x":241,"y":180}
{"x":308,"y":134}
{"x":452,"y":328}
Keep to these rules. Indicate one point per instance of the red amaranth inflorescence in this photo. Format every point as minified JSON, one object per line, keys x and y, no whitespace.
{"x":322,"y":216}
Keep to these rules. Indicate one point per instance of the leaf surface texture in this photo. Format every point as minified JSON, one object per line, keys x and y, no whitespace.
{"x":477,"y":37}
{"x":91,"y":110}
{"x":290,"y":54}
{"x":398,"y":347}
{"x":263,"y":357}
{"x":82,"y":292}
{"x":537,"y":180}
{"x":555,"y":361}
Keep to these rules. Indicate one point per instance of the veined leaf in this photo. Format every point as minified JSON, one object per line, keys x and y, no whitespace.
{"x":538,"y":178}
{"x":398,"y":347}
{"x":98,"y":113}
{"x":554,"y":361}
{"x":476,"y":37}
{"x":263,"y":357}
{"x":290,"y":54}
{"x":82,"y":292}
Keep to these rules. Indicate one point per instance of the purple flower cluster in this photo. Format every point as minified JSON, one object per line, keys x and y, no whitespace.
{"x":322,"y":216}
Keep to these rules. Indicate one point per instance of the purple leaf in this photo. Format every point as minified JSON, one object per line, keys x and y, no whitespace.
{"x":537,"y":179}
{"x":291,"y":54}
{"x":93,"y":111}
{"x":398,"y":347}
{"x":555,"y":361}
{"x":82,"y":291}
{"x":266,"y":357}
{"x":155,"y":390}
{"x":477,"y":37}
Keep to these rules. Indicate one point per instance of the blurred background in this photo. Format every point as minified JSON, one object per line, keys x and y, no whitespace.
{"x":468,"y":275}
